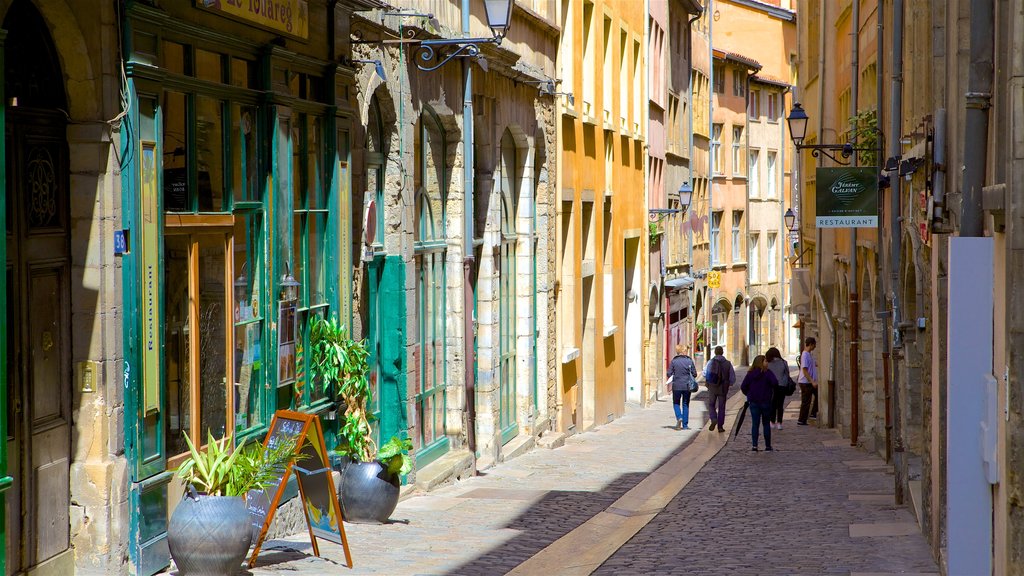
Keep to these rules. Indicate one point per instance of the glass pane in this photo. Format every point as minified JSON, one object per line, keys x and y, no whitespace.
{"x":314,"y":156}
{"x":299,"y":177}
{"x":243,"y":73}
{"x":175,"y":153}
{"x":12,"y":380}
{"x":248,"y":274}
{"x":245,"y":180}
{"x":316,"y":388}
{"x":209,"y":66}
{"x":174,"y":57}
{"x":212,"y":336}
{"x":317,"y":258}
{"x":299,"y":261}
{"x":284,"y":179}
{"x":210,"y":153}
{"x":176,"y":338}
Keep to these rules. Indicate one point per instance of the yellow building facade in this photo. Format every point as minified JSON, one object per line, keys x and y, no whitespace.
{"x":601,"y":301}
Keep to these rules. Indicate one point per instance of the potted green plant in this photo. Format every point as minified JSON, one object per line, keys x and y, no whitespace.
{"x":370,"y":478}
{"x":210,"y":531}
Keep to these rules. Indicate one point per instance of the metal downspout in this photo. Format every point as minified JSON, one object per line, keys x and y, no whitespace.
{"x":895,"y":129}
{"x":468,"y":144}
{"x":979,"y":98}
{"x":854,"y":297}
{"x":689,"y":248}
{"x":881,"y":306}
{"x":709,"y":302}
{"x":829,"y":323}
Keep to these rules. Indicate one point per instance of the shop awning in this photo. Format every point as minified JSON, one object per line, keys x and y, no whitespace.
{"x":679,"y":283}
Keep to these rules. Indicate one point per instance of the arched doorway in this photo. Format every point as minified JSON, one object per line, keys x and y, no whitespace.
{"x":38,"y":304}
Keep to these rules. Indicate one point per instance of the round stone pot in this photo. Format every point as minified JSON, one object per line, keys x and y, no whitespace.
{"x":368,"y":494}
{"x":209,"y":535}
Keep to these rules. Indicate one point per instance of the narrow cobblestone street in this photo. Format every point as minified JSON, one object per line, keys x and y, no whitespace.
{"x":638,"y":497}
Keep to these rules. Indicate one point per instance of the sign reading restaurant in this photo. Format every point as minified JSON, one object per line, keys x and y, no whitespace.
{"x":847,"y":197}
{"x":288,"y":17}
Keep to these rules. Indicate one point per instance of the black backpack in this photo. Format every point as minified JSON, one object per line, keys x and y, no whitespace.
{"x":715,"y":372}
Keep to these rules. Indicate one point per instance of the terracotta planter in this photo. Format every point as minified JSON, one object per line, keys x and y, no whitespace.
{"x":368,"y":494}
{"x":209,"y":535}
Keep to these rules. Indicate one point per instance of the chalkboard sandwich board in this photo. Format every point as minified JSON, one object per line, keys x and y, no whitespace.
{"x":313,"y":474}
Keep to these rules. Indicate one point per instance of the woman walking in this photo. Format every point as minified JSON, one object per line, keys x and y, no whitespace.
{"x":778,"y":366}
{"x":759,"y":387}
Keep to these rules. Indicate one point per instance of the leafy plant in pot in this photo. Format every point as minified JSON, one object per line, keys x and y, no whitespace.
{"x":210,"y":531}
{"x":370,"y":479}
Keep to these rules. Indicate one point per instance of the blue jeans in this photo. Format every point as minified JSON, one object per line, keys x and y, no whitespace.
{"x":684,"y":412}
{"x":759,"y":415}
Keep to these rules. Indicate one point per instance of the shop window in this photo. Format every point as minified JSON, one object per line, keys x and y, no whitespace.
{"x":304,"y":241}
{"x":431,"y":185}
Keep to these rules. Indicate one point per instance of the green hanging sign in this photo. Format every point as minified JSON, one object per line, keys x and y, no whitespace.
{"x":846,"y":197}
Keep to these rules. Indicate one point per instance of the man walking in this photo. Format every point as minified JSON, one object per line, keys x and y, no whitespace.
{"x":718,"y":376}
{"x":683,"y":373}
{"x":808,"y":380}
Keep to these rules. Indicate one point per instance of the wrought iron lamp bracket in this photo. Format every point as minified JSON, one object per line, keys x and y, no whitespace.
{"x":659,"y":214}
{"x":844,"y":150}
{"x":427,"y":51}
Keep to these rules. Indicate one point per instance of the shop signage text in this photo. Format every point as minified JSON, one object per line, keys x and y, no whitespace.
{"x":289,"y":17}
{"x":847,"y":197}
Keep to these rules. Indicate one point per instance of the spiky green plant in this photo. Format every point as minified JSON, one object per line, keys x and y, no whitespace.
{"x":217,"y":470}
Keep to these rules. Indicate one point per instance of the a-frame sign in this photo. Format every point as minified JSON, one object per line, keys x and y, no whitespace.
{"x":316,"y":487}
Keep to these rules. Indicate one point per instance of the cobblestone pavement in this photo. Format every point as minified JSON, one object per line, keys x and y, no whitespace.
{"x":491,"y":523}
{"x":813,"y":506}
{"x":799,"y":510}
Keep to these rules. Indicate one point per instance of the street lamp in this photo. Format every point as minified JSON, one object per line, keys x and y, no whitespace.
{"x":790,"y":218}
{"x":499,"y":20}
{"x":797,"y":121}
{"x":685,"y":196}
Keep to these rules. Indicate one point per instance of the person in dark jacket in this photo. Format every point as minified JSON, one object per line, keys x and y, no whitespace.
{"x":683,"y":373}
{"x":759,"y":387}
{"x":780,"y":368}
{"x":719,"y":375}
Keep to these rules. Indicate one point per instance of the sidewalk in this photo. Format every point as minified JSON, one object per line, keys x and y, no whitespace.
{"x":638,"y":497}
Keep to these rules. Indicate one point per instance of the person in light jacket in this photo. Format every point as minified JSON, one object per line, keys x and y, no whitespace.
{"x":684,"y":379}
{"x":759,"y":386}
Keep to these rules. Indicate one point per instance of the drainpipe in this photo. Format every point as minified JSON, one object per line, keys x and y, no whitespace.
{"x":854,"y":300}
{"x":689,"y":249}
{"x":709,"y":302}
{"x":979,"y":98}
{"x":895,"y":129}
{"x":829,"y":323}
{"x":879,"y":86}
{"x":468,"y":142}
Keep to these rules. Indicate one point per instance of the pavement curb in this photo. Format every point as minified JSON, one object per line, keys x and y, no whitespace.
{"x":584,"y":549}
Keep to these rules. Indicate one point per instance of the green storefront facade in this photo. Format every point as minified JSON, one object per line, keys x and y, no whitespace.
{"x":236,"y":195}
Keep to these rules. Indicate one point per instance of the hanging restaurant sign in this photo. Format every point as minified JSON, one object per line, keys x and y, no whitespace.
{"x":847,"y":197}
{"x":288,"y":17}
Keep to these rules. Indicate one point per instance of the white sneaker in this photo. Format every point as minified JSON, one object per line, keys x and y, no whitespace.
{"x":779,"y":426}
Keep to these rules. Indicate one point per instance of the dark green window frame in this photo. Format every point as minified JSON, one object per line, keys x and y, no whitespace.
{"x":431,"y":288}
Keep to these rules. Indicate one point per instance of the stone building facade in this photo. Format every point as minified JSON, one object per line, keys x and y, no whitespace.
{"x":924,"y":397}
{"x":460,"y":182}
{"x":601,"y":300}
{"x":669,"y":168}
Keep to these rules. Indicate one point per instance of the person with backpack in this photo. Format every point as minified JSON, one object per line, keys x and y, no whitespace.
{"x":718,"y":376}
{"x":683,"y":373}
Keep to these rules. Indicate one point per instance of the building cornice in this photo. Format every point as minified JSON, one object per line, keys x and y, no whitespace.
{"x":773,"y":11}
